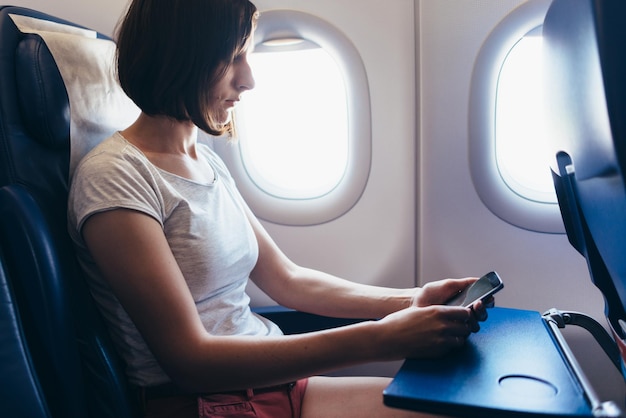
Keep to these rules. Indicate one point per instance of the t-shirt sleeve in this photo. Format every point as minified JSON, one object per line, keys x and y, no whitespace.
{"x":106,"y":181}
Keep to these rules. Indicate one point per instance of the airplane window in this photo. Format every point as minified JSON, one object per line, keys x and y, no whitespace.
{"x":521,"y":153}
{"x":509,"y":159}
{"x":304,"y":133}
{"x":294,"y":124}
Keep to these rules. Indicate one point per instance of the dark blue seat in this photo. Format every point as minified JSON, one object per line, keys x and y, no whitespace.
{"x":585,"y":56}
{"x":20,"y":392}
{"x":76,"y":370}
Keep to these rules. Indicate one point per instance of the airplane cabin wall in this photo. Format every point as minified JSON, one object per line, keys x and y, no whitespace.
{"x":98,"y":15}
{"x":420,"y":218}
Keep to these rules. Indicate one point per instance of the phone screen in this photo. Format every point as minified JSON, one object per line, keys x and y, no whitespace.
{"x":481,"y":289}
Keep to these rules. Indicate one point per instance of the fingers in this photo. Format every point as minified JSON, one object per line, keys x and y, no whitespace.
{"x":469,"y":318}
{"x":457,"y":285}
{"x":458,"y":338}
{"x":459,"y":342}
{"x":473,"y":324}
{"x":490,"y":303}
{"x":433,"y":331}
{"x":461,"y":323}
{"x":461,"y":332}
{"x":479,"y":309}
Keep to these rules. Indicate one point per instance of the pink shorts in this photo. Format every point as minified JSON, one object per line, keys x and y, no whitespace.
{"x":280,"y":401}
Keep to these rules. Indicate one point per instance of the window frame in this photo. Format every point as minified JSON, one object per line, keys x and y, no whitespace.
{"x":279,"y":24}
{"x":491,"y":187}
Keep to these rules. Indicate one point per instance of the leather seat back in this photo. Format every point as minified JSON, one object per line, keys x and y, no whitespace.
{"x":78,"y":370}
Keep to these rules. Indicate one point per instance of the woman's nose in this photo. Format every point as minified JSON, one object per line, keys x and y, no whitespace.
{"x":245,"y":78}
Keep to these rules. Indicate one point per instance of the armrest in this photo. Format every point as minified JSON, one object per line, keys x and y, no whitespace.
{"x":608,"y":344}
{"x":295,"y":322}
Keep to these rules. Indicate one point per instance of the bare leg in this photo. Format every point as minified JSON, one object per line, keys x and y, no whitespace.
{"x":344,"y":397}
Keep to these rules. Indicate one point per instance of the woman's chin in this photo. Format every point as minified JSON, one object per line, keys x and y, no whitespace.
{"x":226,"y":117}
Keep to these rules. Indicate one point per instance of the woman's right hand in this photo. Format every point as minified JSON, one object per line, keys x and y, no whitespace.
{"x":423,"y":332}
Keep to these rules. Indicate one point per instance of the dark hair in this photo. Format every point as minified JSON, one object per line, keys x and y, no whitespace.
{"x":170,"y":53}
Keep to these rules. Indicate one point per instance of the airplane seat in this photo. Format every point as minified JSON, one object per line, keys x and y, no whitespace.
{"x":585,"y":85}
{"x":76,"y":367}
{"x":58,"y":98}
{"x":21,"y":394}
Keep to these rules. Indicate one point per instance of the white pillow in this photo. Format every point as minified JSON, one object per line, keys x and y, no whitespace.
{"x":98,"y":105}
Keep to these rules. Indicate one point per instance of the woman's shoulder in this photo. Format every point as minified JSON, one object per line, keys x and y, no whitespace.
{"x":115,"y":174}
{"x":112,"y":153}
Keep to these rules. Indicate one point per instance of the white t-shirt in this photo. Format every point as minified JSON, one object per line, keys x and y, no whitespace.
{"x":205,"y":226}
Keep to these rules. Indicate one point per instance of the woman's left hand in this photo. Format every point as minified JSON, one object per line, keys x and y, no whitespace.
{"x":438,"y":292}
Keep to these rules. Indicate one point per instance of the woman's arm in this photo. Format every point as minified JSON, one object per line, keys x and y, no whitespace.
{"x":133,"y":254}
{"x":317,"y":292}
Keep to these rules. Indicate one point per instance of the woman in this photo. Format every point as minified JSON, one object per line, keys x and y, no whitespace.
{"x":168,"y":246}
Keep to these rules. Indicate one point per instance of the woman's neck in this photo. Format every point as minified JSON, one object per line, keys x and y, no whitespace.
{"x":162,"y":135}
{"x":170,"y":145}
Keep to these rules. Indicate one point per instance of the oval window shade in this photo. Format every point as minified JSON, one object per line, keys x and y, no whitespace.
{"x":304,"y":150}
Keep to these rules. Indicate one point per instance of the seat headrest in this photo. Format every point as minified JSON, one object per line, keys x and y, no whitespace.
{"x":68,"y":86}
{"x":43,"y":100}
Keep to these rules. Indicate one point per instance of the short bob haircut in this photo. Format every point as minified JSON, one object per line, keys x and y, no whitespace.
{"x":170,"y":54}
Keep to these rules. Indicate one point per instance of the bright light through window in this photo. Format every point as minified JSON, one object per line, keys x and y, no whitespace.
{"x":521,"y":146}
{"x":294,"y":124}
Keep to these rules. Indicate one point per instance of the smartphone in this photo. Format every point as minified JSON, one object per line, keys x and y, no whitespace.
{"x":481,"y":289}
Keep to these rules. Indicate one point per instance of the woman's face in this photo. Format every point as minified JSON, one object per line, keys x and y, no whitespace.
{"x":227,"y":91}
